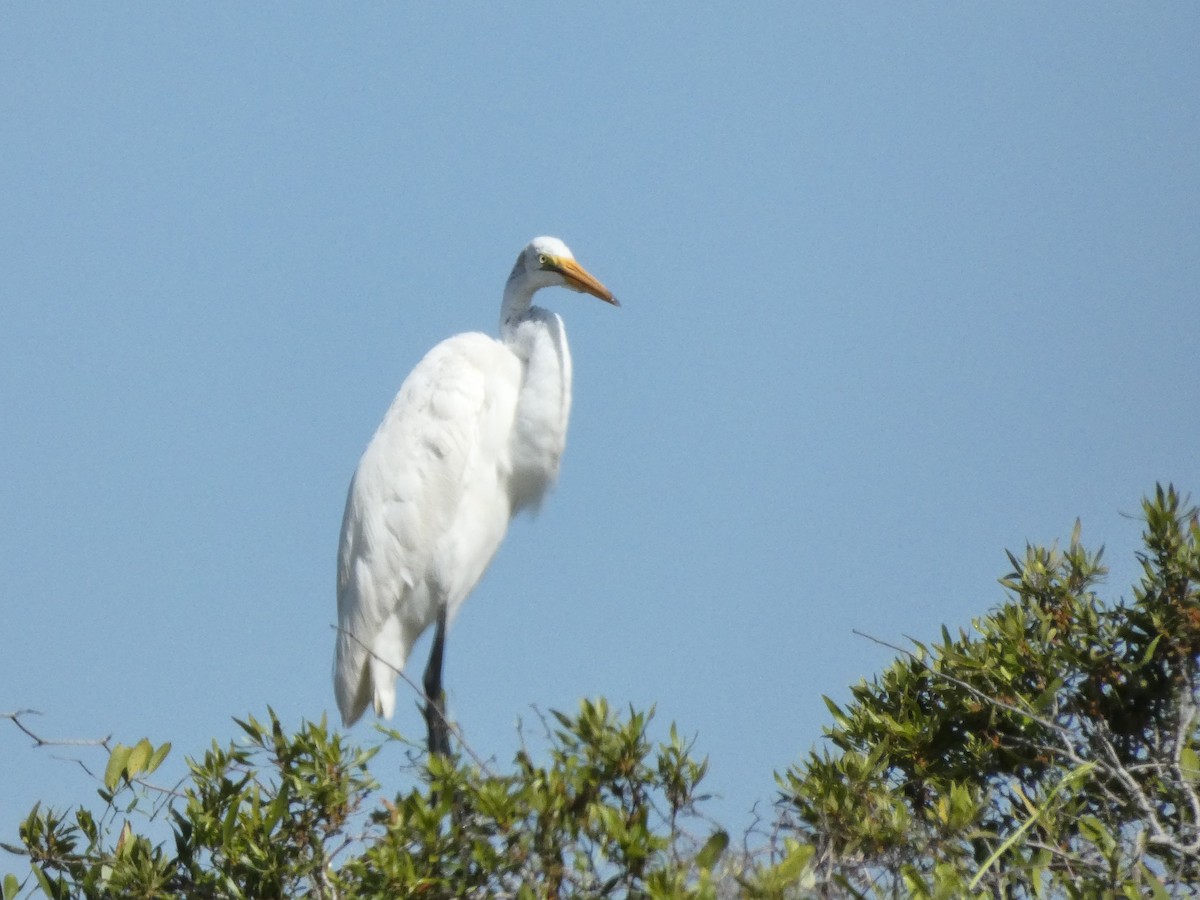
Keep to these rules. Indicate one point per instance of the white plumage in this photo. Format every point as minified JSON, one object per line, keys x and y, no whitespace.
{"x":474,"y":436}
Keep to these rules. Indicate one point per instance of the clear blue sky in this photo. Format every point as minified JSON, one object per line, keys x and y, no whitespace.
{"x":903,"y":286}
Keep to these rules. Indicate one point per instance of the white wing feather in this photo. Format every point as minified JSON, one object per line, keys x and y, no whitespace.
{"x":427,"y":509}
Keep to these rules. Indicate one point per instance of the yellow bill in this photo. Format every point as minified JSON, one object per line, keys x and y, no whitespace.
{"x":580,"y":279}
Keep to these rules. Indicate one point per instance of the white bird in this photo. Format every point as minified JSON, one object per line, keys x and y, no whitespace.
{"x":474,"y":436}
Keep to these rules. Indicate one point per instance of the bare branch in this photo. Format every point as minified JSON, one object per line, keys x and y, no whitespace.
{"x":1187,"y":721}
{"x":39,"y":741}
{"x":104,"y":743}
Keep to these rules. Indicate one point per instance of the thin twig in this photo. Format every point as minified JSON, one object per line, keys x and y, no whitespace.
{"x":39,"y":741}
{"x":1036,"y":814}
{"x":420,"y":692}
{"x":103,"y":743}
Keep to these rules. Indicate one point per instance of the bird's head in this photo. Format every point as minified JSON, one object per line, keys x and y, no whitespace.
{"x":548,"y":262}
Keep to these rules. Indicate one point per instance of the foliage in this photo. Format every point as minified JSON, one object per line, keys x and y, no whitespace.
{"x":1051,"y":751}
{"x":279,"y":815}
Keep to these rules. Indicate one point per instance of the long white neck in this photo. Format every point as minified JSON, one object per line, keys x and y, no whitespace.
{"x":537,"y":338}
{"x":518,"y":297}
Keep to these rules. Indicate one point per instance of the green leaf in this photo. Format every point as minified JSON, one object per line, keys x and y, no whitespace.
{"x":1189,"y":763}
{"x":157,"y":757}
{"x":838,"y":715}
{"x":797,"y":859}
{"x":117,"y":761}
{"x":711,"y":852}
{"x":11,"y":886}
{"x":229,"y":826}
{"x":1157,"y":890}
{"x":138,"y":757}
{"x":253,"y":729}
{"x":1093,"y":830}
{"x":1150,"y":648}
{"x":47,"y":887}
{"x":1047,"y":697}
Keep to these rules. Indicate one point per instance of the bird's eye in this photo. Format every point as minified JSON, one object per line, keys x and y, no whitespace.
{"x":542,"y":260}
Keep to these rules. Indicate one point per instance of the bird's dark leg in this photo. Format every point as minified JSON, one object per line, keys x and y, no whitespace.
{"x":435,"y":698}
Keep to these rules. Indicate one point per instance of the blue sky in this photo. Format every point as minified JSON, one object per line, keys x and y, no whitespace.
{"x":902,"y":286}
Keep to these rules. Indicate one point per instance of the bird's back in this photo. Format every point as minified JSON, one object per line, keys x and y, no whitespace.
{"x":427,"y":509}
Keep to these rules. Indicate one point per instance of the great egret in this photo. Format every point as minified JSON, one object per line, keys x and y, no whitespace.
{"x":473,"y":437}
